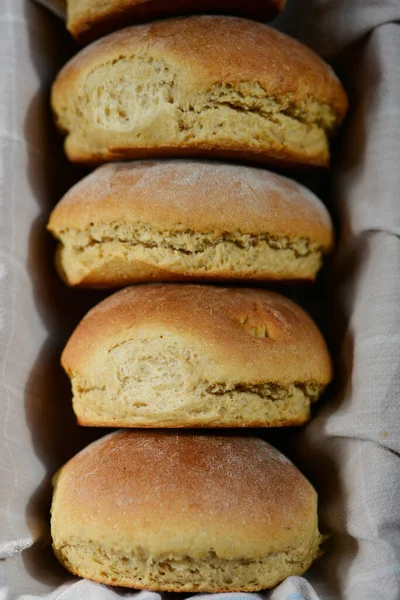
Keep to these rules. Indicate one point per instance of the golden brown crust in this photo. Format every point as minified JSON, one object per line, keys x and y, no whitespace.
{"x":202,"y":197}
{"x":226,"y":49}
{"x":249,"y":336}
{"x":113,"y":277}
{"x":276,"y":156}
{"x":302,"y":419}
{"x":211,"y":503}
{"x":247,"y":76}
{"x":88,"y":20}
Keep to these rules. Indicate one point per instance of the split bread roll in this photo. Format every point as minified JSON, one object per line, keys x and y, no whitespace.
{"x":177,"y":220}
{"x":91,"y":19}
{"x":195,"y":356}
{"x":181,"y":512}
{"x":195,"y":86}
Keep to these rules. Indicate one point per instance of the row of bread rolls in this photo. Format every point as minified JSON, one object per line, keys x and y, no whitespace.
{"x":174,"y":510}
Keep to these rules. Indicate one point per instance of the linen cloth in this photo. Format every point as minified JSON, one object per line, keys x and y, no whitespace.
{"x":350,"y":451}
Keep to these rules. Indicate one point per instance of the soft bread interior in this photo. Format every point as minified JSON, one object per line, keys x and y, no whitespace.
{"x":116,"y":253}
{"x":184,"y":573}
{"x":135,"y":102}
{"x":159,"y":381}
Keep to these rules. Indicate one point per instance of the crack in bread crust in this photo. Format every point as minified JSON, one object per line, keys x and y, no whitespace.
{"x":148,"y":382}
{"x":183,"y":252}
{"x":243,"y":97}
{"x":186,"y":241}
{"x":140,"y":102}
{"x":271,"y":391}
{"x":207,"y":404}
{"x":170,"y":573}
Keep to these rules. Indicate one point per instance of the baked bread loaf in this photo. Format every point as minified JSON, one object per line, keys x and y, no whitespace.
{"x":182,"y":512}
{"x":195,"y":356}
{"x":91,"y":19}
{"x":177,"y":220}
{"x":200,"y":85}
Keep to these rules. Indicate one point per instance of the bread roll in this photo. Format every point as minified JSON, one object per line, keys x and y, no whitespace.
{"x":181,"y":512}
{"x":195,"y":356}
{"x":91,"y":19}
{"x":199,"y":86}
{"x":178,"y":220}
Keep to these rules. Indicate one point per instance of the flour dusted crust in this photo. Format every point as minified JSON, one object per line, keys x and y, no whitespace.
{"x":223,"y":87}
{"x":91,"y":19}
{"x":196,"y":356}
{"x":170,"y":220}
{"x":184,"y":512}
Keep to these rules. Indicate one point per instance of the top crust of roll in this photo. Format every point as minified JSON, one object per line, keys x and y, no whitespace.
{"x":248,"y":336}
{"x":214,"y":49}
{"x":184,"y":494}
{"x":200,"y":196}
{"x":90,"y":19}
